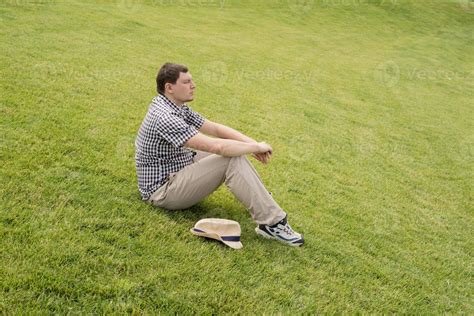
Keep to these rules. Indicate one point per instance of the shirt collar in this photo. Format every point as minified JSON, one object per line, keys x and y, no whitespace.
{"x":171,"y":103}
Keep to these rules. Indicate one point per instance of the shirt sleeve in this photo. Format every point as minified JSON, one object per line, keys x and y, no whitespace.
{"x":175,"y":130}
{"x":194,"y":118}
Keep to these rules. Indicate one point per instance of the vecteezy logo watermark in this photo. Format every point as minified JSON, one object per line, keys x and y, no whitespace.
{"x":466,"y":149}
{"x":467,"y":5}
{"x":300,"y":6}
{"x":357,"y":3}
{"x":437,"y":74}
{"x":215,"y":73}
{"x":129,"y":6}
{"x":299,"y":148}
{"x":387,"y":73}
{"x":133,"y":6}
{"x":125,"y":148}
{"x":218,"y":74}
{"x":24,"y":2}
{"x":28,"y":2}
{"x":391,"y":3}
{"x":61,"y":72}
{"x":234,"y":104}
{"x":198,"y":3}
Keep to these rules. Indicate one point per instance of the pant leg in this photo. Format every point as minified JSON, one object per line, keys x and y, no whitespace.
{"x":198,"y":180}
{"x":200,"y":155}
{"x":245,"y":183}
{"x":191,"y":184}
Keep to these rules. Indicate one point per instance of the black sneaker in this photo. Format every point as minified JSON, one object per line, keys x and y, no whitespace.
{"x":281,"y":231}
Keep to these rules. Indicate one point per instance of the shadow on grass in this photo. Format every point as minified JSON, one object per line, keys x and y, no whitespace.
{"x":203,"y":209}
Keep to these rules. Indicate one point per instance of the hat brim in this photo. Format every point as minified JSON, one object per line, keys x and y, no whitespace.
{"x":231,"y":244}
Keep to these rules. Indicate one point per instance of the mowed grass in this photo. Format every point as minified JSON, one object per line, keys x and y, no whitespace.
{"x":367,"y":104}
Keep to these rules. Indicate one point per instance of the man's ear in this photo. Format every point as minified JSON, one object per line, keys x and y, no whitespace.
{"x":168,"y":87}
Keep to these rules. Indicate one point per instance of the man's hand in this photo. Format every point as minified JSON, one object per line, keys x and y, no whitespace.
{"x":262,"y":157}
{"x":264,"y":153}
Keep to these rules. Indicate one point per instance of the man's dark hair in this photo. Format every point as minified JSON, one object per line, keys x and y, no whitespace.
{"x":169,"y":72}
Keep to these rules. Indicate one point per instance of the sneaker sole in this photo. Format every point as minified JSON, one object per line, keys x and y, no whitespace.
{"x":265,"y":235}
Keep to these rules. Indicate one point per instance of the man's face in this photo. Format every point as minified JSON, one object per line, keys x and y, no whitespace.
{"x":183,"y":90}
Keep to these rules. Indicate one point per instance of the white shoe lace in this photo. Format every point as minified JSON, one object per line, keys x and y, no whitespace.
{"x":287,"y":229}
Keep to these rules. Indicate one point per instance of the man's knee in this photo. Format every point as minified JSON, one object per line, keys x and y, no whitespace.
{"x":239,"y":160}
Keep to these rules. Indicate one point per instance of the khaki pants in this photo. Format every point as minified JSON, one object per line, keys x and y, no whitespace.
{"x":196,"y":181}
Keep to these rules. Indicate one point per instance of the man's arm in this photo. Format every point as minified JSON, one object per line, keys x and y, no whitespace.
{"x":225,"y":147}
{"x":225,"y":132}
{"x":222,"y":131}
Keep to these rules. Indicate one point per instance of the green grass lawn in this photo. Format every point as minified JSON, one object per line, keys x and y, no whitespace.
{"x":368,"y":106}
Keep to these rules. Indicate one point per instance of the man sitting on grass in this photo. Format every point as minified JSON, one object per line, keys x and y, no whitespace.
{"x":173,"y":176}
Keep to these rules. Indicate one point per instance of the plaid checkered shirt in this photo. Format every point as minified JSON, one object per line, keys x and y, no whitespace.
{"x":159,"y":144}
